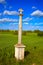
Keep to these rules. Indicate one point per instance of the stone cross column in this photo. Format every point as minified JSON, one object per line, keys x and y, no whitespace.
{"x":20,"y":27}
{"x":19,"y":47}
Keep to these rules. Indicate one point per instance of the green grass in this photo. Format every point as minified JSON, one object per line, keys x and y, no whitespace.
{"x":33,"y":43}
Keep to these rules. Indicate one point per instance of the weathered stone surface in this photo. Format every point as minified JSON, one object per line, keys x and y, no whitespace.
{"x":19,"y":51}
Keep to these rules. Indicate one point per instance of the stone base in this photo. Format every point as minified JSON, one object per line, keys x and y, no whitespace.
{"x":19,"y":51}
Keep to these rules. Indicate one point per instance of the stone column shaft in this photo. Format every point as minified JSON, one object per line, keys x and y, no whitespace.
{"x":20,"y":29}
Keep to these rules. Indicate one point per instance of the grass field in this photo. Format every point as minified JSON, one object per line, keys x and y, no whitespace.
{"x":34,"y":47}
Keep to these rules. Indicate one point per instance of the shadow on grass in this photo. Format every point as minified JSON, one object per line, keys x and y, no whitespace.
{"x":26,"y":53}
{"x":34,"y":47}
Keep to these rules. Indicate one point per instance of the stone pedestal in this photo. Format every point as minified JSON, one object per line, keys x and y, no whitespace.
{"x":19,"y":51}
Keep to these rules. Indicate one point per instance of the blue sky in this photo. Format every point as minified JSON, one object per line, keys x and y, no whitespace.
{"x":33,"y":14}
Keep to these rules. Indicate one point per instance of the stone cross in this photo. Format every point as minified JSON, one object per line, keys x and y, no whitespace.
{"x":19,"y":47}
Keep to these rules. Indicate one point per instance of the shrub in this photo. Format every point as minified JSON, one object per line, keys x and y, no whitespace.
{"x":40,"y":34}
{"x":24,"y":33}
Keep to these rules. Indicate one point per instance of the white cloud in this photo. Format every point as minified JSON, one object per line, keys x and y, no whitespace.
{"x":5,"y":6}
{"x":25,"y":23}
{"x":32,"y":27}
{"x":0,"y":14}
{"x":11,"y":24}
{"x":33,"y":7}
{"x":37,"y":13}
{"x":14,"y":20}
{"x":6,"y":12}
{"x":2,"y":1}
{"x":8,"y":20}
{"x":27,"y":19}
{"x":36,"y":24}
{"x":10,"y":7}
{"x":36,"y":27}
{"x":39,"y":23}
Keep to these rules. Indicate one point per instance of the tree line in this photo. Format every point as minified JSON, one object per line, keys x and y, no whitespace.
{"x":39,"y":33}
